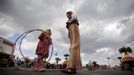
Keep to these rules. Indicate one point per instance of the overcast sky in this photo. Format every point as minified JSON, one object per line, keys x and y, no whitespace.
{"x":105,"y":26}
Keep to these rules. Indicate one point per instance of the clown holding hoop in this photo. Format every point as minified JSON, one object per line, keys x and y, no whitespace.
{"x":42,"y":50}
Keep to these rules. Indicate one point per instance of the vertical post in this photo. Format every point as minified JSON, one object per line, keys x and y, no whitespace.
{"x":108,"y":63}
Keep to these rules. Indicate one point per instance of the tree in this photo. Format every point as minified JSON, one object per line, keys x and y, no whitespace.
{"x":57,"y":59}
{"x":125,"y":50}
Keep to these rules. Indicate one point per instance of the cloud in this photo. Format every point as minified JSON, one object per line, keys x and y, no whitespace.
{"x":6,"y":25}
{"x":106,"y":9}
{"x":105,"y":25}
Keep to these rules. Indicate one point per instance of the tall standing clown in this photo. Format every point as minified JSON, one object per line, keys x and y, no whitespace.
{"x":42,"y":50}
{"x":74,"y":61}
